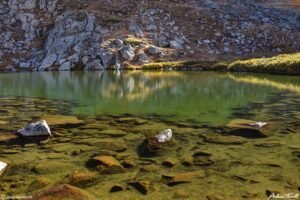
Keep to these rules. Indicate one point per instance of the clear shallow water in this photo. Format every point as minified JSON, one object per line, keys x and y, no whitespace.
{"x":207,"y":97}
{"x":118,"y":111}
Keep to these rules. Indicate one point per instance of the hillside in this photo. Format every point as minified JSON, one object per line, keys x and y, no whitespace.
{"x":104,"y":34}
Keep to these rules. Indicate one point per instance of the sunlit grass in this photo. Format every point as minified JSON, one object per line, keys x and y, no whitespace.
{"x":281,"y":64}
{"x":133,"y":41}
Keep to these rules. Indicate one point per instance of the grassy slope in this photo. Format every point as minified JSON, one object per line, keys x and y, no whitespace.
{"x":281,"y":64}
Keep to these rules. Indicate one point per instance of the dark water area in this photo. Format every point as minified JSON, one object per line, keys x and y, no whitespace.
{"x":113,"y":113}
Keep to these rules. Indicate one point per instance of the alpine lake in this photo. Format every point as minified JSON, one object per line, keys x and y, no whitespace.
{"x":110,"y":115}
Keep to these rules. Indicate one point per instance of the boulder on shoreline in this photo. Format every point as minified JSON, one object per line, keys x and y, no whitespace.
{"x":39,"y":128}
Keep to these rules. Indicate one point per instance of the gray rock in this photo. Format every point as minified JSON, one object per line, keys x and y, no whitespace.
{"x":118,"y":43}
{"x":48,"y":62}
{"x":151,"y":27}
{"x":153,"y":50}
{"x":143,"y":58}
{"x":65,"y":67}
{"x":10,"y":68}
{"x":39,"y":128}
{"x":106,"y":58}
{"x":94,"y":65}
{"x":25,"y":64}
{"x":136,"y":30}
{"x":163,"y":41}
{"x":175,"y":45}
{"x":127,"y":52}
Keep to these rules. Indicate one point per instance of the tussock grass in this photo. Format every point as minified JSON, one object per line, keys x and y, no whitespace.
{"x":281,"y":64}
{"x":288,"y":64}
{"x":133,"y":41}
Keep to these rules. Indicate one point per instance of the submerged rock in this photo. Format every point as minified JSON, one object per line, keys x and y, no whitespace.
{"x":224,"y":139}
{"x":107,"y":164}
{"x":159,"y":140}
{"x":82,"y":178}
{"x":61,"y":121}
{"x":169,"y":162}
{"x":117,"y":188}
{"x":65,"y":192}
{"x":38,"y":183}
{"x":39,"y":128}
{"x":247,"y":128}
{"x":3,"y":167}
{"x":174,"y":179}
{"x":142,"y":186}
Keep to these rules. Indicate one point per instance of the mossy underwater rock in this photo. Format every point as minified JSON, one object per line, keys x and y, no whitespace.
{"x":62,"y":121}
{"x":248,"y":128}
{"x":50,"y":167}
{"x":186,"y":177}
{"x":143,"y":187}
{"x":38,"y":183}
{"x":106,"y":164}
{"x":82,"y":178}
{"x":63,"y":192}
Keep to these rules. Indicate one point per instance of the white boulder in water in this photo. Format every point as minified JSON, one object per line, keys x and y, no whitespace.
{"x":3,"y":167}
{"x":164,"y":136}
{"x":39,"y":128}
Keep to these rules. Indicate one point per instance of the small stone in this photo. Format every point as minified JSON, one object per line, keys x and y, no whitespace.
{"x":169,"y":162}
{"x":142,"y":186}
{"x":214,"y":197}
{"x":107,"y":161}
{"x":151,"y":27}
{"x":107,"y":164}
{"x":39,"y":128}
{"x":82,"y":178}
{"x":175,"y":45}
{"x":153,"y":50}
{"x":117,"y":188}
{"x":39,"y":183}
{"x":174,"y":179}
{"x":128,"y":163}
{"x":181,"y":194}
{"x":187,"y":161}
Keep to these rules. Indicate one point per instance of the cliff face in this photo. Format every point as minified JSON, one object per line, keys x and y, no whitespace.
{"x":101,"y":34}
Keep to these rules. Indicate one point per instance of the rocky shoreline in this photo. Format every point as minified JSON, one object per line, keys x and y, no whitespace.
{"x":58,"y":35}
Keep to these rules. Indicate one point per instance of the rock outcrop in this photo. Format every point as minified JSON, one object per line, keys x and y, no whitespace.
{"x":49,"y":35}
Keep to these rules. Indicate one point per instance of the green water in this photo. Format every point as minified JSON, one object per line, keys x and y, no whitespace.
{"x":119,"y":110}
{"x":207,"y":97}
